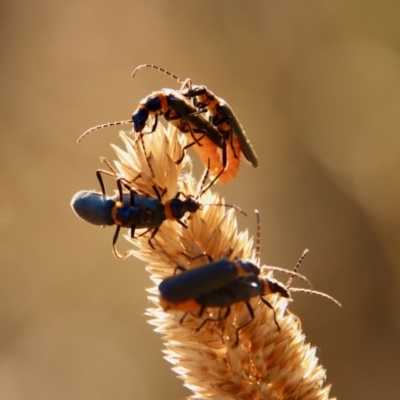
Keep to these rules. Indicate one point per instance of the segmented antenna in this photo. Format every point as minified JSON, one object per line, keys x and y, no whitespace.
{"x":296,"y":268}
{"x":95,"y":128}
{"x":227,"y":206}
{"x":310,"y":291}
{"x":315,"y":292}
{"x":286,"y":271}
{"x":158,"y":69}
{"x":258,"y":242}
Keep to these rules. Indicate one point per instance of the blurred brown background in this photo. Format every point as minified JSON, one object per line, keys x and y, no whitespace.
{"x":317,"y":87}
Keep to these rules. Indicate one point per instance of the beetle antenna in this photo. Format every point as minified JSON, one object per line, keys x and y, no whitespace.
{"x":95,"y":128}
{"x":258,"y":242}
{"x":315,"y":292}
{"x":296,"y":268}
{"x":227,"y":206}
{"x":179,"y":80}
{"x":286,"y":271}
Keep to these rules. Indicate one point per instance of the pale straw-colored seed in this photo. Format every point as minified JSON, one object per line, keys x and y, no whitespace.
{"x":266,"y":363}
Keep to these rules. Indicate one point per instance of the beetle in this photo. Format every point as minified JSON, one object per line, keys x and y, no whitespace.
{"x":180,"y":288}
{"x":223,"y":283}
{"x":133,"y":210}
{"x":223,"y":117}
{"x":177,"y":110}
{"x":239,"y":285}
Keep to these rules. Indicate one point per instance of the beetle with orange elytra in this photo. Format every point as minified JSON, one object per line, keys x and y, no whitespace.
{"x":223,"y":118}
{"x":223,"y":283}
{"x":178,"y":110}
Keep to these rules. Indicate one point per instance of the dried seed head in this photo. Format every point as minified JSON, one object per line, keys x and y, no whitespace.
{"x":266,"y":363}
